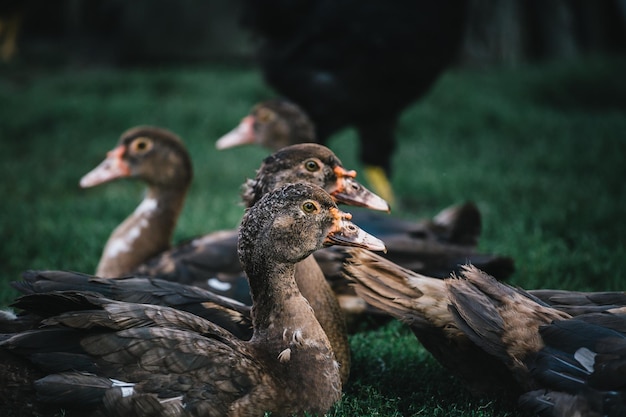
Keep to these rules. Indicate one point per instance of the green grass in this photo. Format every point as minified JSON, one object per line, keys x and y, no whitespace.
{"x":541,"y":150}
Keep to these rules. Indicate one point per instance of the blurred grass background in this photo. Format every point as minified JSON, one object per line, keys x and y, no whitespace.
{"x":541,"y":149}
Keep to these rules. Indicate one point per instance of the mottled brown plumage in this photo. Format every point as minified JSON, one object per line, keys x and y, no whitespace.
{"x":501,"y":320}
{"x":138,"y":359}
{"x":423,"y":303}
{"x":482,"y":330}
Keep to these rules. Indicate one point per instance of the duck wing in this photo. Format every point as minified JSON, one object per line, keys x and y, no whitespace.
{"x":581,"y":368}
{"x":502,"y":320}
{"x":130,"y":356}
{"x":229,"y":314}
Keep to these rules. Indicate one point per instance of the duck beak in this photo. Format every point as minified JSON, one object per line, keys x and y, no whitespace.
{"x":346,"y":233}
{"x":353,"y":193}
{"x":111,"y":168}
{"x":241,"y":135}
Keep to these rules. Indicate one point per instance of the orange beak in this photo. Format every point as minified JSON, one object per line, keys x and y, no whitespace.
{"x":346,"y":233}
{"x":351,"y":192}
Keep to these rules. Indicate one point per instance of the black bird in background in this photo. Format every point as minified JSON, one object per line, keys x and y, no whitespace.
{"x":356,"y":63}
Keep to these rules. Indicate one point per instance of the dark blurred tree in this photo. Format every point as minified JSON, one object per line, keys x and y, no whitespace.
{"x":182,"y":30}
{"x":514,"y":31}
{"x":132,"y":32}
{"x":502,"y":32}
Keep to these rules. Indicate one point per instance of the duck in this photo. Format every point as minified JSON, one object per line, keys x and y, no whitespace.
{"x":356,"y":64}
{"x":422,"y":303}
{"x":210,"y":261}
{"x":273,"y":124}
{"x":120,"y":358}
{"x":434,"y":247}
{"x":142,"y":152}
{"x":468,"y":320}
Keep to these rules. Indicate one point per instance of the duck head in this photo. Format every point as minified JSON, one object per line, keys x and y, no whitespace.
{"x":152,"y":154}
{"x":315,"y":164}
{"x":272,"y":124}
{"x":298,"y":219}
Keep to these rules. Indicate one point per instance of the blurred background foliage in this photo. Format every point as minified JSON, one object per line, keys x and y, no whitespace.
{"x":116,"y":32}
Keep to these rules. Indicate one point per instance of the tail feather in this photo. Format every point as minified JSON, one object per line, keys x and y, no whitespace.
{"x":78,"y":389}
{"x":577,"y":303}
{"x":581,"y":298}
{"x":46,"y":281}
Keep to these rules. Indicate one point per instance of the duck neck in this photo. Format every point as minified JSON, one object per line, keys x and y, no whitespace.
{"x":289,"y":337}
{"x":145,"y":233}
{"x":169,"y":203}
{"x":277,"y":301}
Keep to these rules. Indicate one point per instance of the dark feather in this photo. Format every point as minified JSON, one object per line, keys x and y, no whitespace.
{"x":355,"y":63}
{"x":233,"y":316}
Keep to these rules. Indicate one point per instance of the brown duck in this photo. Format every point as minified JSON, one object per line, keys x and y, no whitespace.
{"x":138,"y":359}
{"x":434,"y":247}
{"x":206,"y":260}
{"x":272,"y":124}
{"x":158,"y":157}
{"x":478,"y":328}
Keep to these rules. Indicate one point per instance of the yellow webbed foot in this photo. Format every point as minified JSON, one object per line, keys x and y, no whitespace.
{"x":377,"y":178}
{"x":9,"y":28}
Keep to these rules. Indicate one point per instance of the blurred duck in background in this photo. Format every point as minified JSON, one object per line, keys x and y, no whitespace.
{"x":358,"y":64}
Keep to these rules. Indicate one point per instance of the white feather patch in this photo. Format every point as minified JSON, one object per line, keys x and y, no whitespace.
{"x":8,"y":315}
{"x":147,"y":206}
{"x":168,"y":400}
{"x":124,"y":243}
{"x":297,"y":337}
{"x":218,"y":285}
{"x":285,"y":355}
{"x":126,"y":387}
{"x":586,"y":358}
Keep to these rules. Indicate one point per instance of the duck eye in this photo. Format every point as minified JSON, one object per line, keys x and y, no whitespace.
{"x":141,"y":145}
{"x":311,"y":165}
{"x":309,"y":207}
